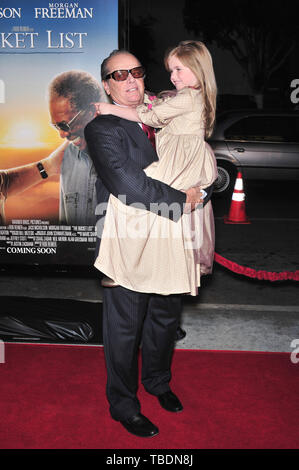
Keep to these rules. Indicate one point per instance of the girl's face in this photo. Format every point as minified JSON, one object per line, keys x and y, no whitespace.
{"x":180,"y":75}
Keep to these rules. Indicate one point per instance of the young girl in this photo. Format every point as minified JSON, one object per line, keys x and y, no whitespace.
{"x":141,"y":250}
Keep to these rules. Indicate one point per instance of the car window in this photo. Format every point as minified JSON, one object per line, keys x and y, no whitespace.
{"x":265,"y":129}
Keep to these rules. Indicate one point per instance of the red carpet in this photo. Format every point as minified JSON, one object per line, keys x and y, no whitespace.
{"x":52,"y":397}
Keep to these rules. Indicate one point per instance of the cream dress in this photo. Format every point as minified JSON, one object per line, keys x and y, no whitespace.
{"x":143,"y":251}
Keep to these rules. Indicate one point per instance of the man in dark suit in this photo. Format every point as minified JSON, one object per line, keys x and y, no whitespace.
{"x":120,"y":150}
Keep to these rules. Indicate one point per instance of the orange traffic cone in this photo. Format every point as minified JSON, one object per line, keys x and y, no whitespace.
{"x":237,"y":213}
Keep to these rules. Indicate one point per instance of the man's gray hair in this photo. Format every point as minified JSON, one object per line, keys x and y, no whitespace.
{"x":104,"y":67}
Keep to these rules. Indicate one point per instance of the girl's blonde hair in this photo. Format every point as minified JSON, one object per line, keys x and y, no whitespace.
{"x":195,"y":56}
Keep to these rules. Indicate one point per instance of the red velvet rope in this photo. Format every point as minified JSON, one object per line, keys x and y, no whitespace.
{"x":260,"y":275}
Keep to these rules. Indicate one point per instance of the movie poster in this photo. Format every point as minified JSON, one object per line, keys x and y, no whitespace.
{"x":47,"y":181}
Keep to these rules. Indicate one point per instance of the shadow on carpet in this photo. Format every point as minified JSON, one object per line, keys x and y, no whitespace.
{"x":26,"y":319}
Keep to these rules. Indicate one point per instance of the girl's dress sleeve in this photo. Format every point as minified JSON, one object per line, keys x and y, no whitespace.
{"x":163,"y":111}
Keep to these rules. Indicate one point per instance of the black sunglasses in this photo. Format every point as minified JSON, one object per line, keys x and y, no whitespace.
{"x":121,"y":75}
{"x":66,"y":126}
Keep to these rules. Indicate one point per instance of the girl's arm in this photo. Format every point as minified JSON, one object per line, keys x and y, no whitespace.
{"x":158,"y":114}
{"x":162,"y":111}
{"x":122,"y":112}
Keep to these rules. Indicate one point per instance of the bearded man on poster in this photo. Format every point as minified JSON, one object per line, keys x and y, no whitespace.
{"x":72,"y":96}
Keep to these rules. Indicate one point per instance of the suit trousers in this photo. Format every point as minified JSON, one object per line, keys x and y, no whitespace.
{"x":132,"y":320}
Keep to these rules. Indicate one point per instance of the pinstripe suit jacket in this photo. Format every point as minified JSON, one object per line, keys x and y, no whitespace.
{"x":120,"y":151}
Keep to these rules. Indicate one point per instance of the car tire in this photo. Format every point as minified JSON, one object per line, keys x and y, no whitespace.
{"x":226,"y":178}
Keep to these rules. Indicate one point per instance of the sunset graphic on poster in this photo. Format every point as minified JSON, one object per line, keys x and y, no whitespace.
{"x":26,"y":140}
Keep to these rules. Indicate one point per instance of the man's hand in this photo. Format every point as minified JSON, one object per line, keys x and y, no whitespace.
{"x":194,"y":197}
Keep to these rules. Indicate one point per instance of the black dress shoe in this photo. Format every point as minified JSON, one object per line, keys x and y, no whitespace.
{"x":140,"y":426}
{"x":170,"y":402}
{"x":180,"y":333}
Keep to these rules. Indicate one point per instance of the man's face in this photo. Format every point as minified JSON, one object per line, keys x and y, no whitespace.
{"x":61,"y":110}
{"x":130,"y":92}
